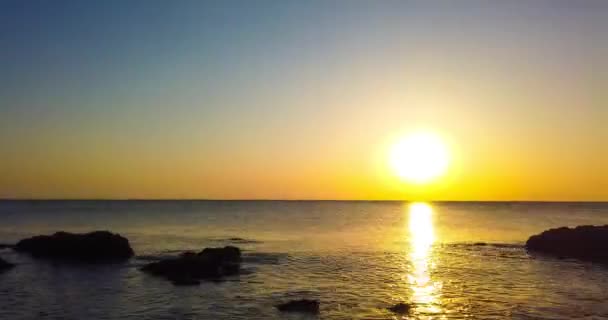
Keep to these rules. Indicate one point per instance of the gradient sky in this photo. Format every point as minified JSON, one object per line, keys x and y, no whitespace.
{"x":301,"y":99}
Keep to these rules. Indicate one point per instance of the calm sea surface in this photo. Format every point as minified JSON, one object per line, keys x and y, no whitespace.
{"x":357,"y":258}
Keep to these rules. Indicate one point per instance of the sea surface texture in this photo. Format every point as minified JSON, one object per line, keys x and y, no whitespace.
{"x":449,"y":260}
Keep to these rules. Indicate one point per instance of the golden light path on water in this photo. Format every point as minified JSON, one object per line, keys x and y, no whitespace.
{"x":425,"y":292}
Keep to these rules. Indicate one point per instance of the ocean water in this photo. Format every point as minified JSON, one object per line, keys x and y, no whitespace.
{"x":357,"y":258}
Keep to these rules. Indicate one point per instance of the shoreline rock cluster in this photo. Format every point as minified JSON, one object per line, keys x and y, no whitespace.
{"x":189,"y":268}
{"x":588,"y":243}
{"x":93,"y":247}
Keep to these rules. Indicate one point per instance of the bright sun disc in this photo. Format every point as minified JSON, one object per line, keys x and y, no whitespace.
{"x":419,"y":158}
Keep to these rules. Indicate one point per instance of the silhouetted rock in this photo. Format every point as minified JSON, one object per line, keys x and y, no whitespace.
{"x":6,"y":246}
{"x":480,"y":244}
{"x":4,"y":265}
{"x":187,"y":254}
{"x":98,"y":246}
{"x":583,"y":242}
{"x":401,"y":308}
{"x":188,"y":268}
{"x":241,"y":240}
{"x":303,"y":305}
{"x":226,"y":254}
{"x":184,"y":281}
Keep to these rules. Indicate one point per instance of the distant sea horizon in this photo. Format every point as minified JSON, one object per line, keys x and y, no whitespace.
{"x":304,"y":200}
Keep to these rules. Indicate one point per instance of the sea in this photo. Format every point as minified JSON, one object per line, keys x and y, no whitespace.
{"x":448,"y":260}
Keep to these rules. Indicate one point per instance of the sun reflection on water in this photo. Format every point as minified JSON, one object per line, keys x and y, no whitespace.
{"x":425,"y":291}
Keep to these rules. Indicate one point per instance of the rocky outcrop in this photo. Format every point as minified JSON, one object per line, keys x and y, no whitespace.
{"x":5,"y":265}
{"x":303,"y":305}
{"x":97,"y":246}
{"x":400,"y":308}
{"x":588,"y":243}
{"x":190,"y":267}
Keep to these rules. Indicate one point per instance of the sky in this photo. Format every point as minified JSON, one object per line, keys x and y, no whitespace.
{"x":302,"y":99}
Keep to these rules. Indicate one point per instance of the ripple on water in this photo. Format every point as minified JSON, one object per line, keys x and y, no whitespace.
{"x":477,"y":282}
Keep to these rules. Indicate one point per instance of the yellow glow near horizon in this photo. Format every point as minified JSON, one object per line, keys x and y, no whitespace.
{"x":419,"y":158}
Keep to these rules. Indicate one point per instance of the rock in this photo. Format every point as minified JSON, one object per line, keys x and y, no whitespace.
{"x":6,"y":246}
{"x":97,"y":246}
{"x":222,"y":255}
{"x":185,"y":281}
{"x":480,"y":244}
{"x":4,"y":265}
{"x":303,"y":305}
{"x":588,"y":243}
{"x":187,"y":254}
{"x":241,"y":240}
{"x":401,"y":308}
{"x":209,"y":264}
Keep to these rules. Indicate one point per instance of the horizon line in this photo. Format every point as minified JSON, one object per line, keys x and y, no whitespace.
{"x":299,"y":200}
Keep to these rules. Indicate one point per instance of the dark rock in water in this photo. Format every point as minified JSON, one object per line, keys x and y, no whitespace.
{"x":401,"y":308}
{"x":6,"y":246}
{"x":211,"y":263}
{"x":303,"y":305}
{"x":5,"y":265}
{"x":480,"y":244}
{"x":583,"y":242}
{"x":222,"y":255}
{"x":184,"y":281}
{"x":97,"y":246}
{"x":187,"y":254}
{"x":241,"y":240}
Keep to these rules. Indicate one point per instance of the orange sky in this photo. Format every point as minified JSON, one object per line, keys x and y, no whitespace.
{"x":225,"y":102}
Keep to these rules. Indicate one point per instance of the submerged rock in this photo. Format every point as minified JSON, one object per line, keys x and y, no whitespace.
{"x":401,"y":308}
{"x":97,"y":246}
{"x":228,"y":254}
{"x":185,"y":281}
{"x":4,"y":265}
{"x":242,"y":240}
{"x":303,"y":305}
{"x":189,"y":268}
{"x":583,"y":242}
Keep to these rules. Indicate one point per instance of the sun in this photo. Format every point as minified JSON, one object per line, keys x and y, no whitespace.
{"x":421,"y":157}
